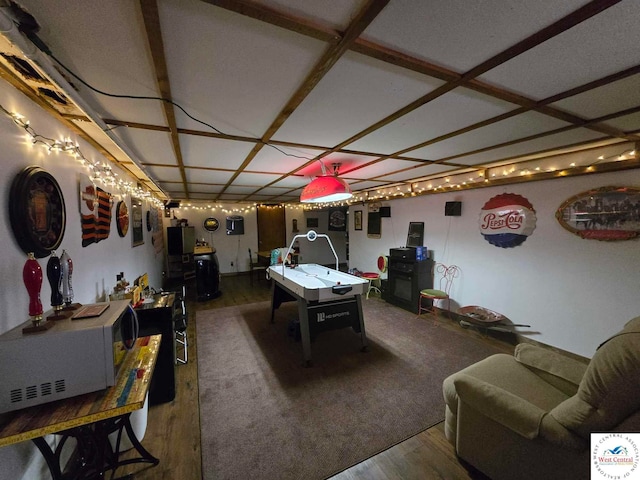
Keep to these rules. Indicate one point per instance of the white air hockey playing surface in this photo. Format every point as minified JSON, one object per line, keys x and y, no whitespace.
{"x":317,"y":283}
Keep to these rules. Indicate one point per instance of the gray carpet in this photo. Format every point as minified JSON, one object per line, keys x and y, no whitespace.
{"x":265,"y":416}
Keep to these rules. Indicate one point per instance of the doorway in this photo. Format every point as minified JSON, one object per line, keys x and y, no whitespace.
{"x":272,"y":232}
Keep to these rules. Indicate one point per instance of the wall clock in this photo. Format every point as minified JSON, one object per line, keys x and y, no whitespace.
{"x":37,"y":211}
{"x":122,"y":218}
{"x":211,"y":224}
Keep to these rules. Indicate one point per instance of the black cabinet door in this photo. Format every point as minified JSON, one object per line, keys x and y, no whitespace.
{"x":157,"y":318}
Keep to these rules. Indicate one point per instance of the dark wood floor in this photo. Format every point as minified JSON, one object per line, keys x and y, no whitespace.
{"x":173,"y":430}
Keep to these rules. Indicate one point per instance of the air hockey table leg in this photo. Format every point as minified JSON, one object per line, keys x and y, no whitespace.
{"x":363,"y":334}
{"x":305,"y":334}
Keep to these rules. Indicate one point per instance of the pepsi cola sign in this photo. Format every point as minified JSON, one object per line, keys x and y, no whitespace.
{"x":507,"y":220}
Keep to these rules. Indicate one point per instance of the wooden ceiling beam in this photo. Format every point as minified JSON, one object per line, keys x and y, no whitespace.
{"x":366,"y":15}
{"x":153,"y":31}
{"x":278,"y":18}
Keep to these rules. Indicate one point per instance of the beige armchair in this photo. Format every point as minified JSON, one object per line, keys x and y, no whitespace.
{"x":530,"y":415}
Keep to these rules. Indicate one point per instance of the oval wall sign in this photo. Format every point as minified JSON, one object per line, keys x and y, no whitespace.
{"x":507,"y":220}
{"x":607,"y":213}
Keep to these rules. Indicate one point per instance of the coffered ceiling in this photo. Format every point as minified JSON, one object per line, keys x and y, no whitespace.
{"x":254,"y":93}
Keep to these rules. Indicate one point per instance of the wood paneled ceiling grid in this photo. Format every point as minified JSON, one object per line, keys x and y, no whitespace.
{"x":339,"y":43}
{"x":353,"y":39}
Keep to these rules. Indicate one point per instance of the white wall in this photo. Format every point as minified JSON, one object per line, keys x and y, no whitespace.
{"x":95,"y":266}
{"x":573,"y":292}
{"x":234,"y":248}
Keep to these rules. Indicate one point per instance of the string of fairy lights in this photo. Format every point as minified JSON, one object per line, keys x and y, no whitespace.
{"x":102,"y":172}
{"x":564,"y":165}
{"x":99,"y":172}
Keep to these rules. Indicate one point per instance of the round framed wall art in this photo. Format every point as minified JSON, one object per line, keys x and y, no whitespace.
{"x":37,"y":211}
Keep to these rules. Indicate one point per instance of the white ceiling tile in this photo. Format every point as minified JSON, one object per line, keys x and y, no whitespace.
{"x":336,"y":14}
{"x":273,"y":160}
{"x":149,"y":146}
{"x":628,"y":123}
{"x":200,"y":151}
{"x":600,"y":46}
{"x":550,"y":142}
{"x":203,"y":44}
{"x":514,"y":128}
{"x":292,"y":181}
{"x":119,"y":66}
{"x":165,"y":174}
{"x":604,"y":100}
{"x":388,"y":88}
{"x":200,"y":175}
{"x":460,"y":34}
{"x":450,"y":112}
{"x":379,"y":169}
{"x":417,"y":172}
{"x":255,"y":179}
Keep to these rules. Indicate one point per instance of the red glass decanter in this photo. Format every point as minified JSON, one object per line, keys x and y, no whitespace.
{"x":32,"y":277}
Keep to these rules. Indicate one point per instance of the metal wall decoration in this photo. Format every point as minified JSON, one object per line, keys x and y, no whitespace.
{"x":95,"y":212}
{"x":122,"y":218}
{"x":507,"y":220}
{"x":338,"y":219}
{"x":607,"y":213}
{"x":37,"y":211}
{"x":211,"y":224}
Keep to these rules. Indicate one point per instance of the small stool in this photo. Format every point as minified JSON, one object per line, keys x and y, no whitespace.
{"x":372,"y":277}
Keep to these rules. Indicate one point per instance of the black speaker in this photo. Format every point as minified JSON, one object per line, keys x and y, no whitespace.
{"x":452,"y":209}
{"x":235,"y":225}
{"x":385,"y":211}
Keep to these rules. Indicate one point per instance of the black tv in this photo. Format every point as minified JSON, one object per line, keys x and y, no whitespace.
{"x":415,"y":237}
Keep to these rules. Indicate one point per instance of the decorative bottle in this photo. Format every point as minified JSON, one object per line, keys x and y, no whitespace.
{"x":67,"y":272}
{"x":32,"y":277}
{"x":54,"y":274}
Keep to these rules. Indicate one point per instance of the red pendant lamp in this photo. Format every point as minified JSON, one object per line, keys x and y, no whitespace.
{"x":326,"y":188}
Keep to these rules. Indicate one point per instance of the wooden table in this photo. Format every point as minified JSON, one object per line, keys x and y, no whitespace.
{"x":90,"y":419}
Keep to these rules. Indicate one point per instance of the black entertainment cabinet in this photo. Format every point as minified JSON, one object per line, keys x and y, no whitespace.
{"x":159,"y":317}
{"x":406,"y":277}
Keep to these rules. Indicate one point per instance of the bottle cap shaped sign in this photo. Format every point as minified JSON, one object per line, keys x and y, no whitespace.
{"x":507,"y":220}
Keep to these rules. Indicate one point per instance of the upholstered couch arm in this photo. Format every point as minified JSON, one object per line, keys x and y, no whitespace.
{"x":514,"y":413}
{"x":503,"y":407}
{"x":563,"y":372}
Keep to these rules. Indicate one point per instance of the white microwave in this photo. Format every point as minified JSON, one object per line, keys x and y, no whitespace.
{"x":73,"y":357}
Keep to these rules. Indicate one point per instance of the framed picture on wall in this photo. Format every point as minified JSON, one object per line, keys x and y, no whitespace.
{"x":357,"y":220}
{"x":312,"y":222}
{"x":137,"y":236}
{"x":374,"y":225}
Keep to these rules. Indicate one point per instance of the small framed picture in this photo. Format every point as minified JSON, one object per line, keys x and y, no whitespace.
{"x":357,"y":220}
{"x":312,"y":223}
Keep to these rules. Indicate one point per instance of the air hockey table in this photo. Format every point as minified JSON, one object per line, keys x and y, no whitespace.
{"x":327,"y":300}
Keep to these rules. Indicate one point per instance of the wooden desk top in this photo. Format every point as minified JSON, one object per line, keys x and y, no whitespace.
{"x":126,"y":396}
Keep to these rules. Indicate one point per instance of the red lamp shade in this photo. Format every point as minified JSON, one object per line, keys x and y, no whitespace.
{"x":326,"y":188}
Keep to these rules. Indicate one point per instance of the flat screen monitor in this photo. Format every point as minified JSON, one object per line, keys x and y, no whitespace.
{"x":415,"y":237}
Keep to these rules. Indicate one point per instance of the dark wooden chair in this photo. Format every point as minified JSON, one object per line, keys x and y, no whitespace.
{"x":255,"y":266}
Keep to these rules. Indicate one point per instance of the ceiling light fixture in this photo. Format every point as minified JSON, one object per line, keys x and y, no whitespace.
{"x":326,"y":188}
